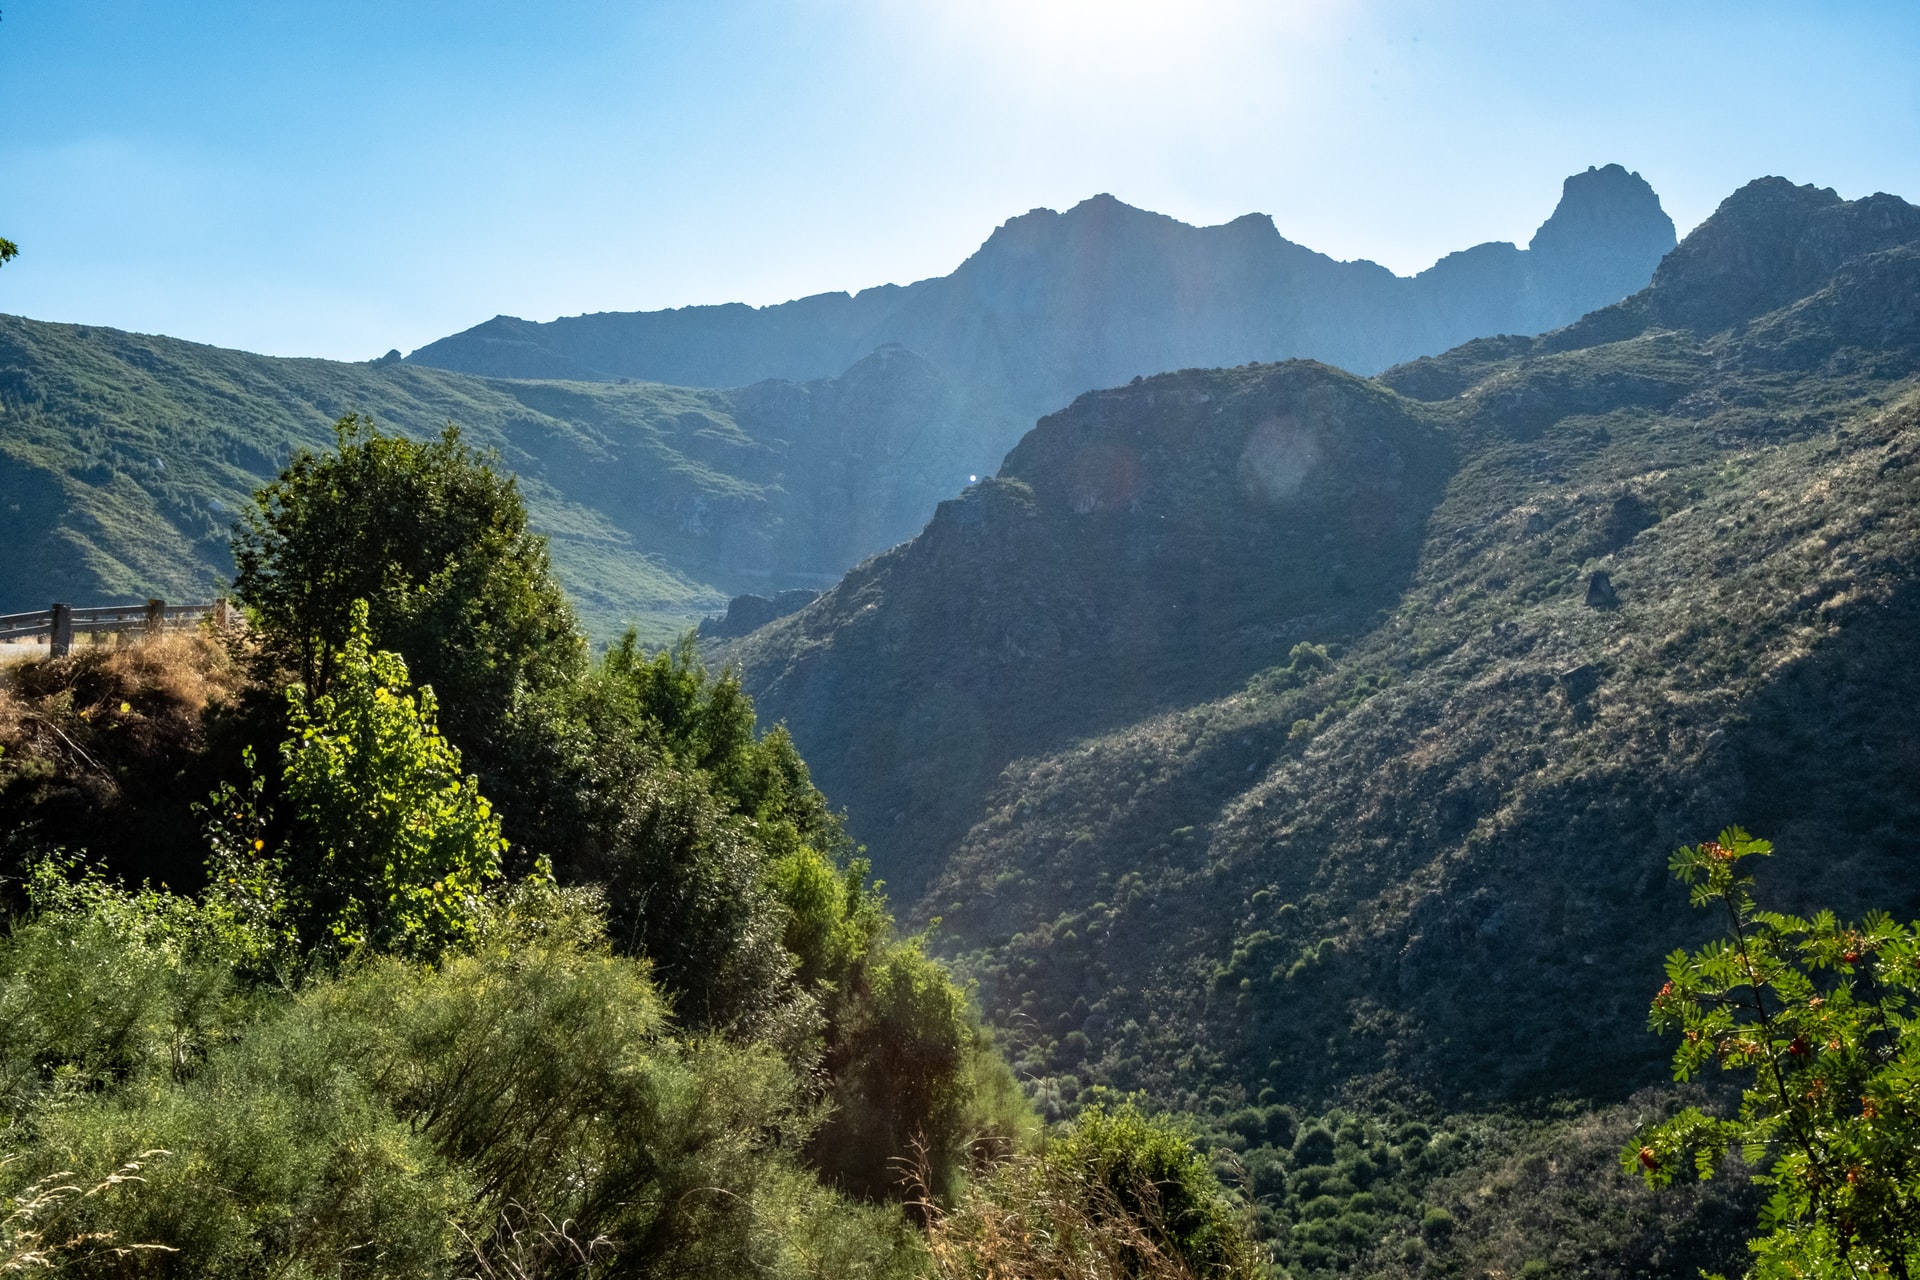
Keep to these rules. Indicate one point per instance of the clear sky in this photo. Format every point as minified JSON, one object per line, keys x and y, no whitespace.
{"x":342,"y":177}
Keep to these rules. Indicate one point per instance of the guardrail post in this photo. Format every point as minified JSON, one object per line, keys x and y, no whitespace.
{"x":156,"y":616}
{"x":62,"y":638}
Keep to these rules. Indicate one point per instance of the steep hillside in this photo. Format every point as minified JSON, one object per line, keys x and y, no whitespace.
{"x":123,"y":459}
{"x":1054,"y":304}
{"x":1641,"y":577}
{"x":1144,"y":549}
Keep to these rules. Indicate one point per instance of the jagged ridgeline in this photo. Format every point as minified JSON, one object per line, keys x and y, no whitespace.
{"x":1259,"y":730}
{"x":804,"y":438}
{"x":1054,"y":304}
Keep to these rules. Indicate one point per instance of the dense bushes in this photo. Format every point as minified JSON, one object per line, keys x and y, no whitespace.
{"x":408,"y":1120}
{"x":667,"y":1030}
{"x":1118,"y":1195}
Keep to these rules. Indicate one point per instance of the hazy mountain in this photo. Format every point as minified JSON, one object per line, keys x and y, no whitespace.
{"x":802,"y":439}
{"x":1054,"y":304}
{"x":1582,"y":598}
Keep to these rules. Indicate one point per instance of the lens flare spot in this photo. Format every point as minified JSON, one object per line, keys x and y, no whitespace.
{"x":1278,"y":457}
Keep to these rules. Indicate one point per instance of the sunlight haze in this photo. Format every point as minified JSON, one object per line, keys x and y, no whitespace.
{"x":342,"y":179}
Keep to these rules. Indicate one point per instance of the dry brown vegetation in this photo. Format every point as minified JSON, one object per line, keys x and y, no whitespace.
{"x":1034,"y":1219}
{"x":156,"y":687}
{"x":106,"y":748}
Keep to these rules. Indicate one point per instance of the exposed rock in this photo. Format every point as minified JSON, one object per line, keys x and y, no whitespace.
{"x":1595,"y":248}
{"x":1769,"y":243}
{"x":750,"y":612}
{"x":1600,"y":592}
{"x":1579,"y":682}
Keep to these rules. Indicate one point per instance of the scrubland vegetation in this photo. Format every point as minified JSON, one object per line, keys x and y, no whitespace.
{"x":1291,"y":751}
{"x":646,"y":1015}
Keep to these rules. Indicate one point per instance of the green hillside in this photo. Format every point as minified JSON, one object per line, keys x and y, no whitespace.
{"x":123,"y":458}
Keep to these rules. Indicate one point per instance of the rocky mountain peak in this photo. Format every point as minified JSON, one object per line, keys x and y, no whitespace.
{"x":1769,"y":243}
{"x":1601,"y":243}
{"x":1607,"y":205}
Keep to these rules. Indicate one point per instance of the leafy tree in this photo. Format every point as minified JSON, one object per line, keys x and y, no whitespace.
{"x":687,"y":887}
{"x":8,"y":251}
{"x":834,"y":919}
{"x":685,"y":815}
{"x":393,"y":844}
{"x":435,"y":540}
{"x":670,"y":704}
{"x":1819,"y":1017}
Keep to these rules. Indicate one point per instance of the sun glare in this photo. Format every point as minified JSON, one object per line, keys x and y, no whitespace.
{"x":1077,"y":42}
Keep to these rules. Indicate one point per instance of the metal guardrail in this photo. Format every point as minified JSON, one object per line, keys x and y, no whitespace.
{"x":62,"y":622}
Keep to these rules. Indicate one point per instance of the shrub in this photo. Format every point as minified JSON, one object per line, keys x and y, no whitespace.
{"x":393,"y":844}
{"x":1117,"y":1194}
{"x":522,"y":1104}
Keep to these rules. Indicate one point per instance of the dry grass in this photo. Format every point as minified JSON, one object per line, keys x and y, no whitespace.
{"x":150,"y":689}
{"x":531,"y":1246}
{"x":1034,"y":1219}
{"x":36,"y":1234}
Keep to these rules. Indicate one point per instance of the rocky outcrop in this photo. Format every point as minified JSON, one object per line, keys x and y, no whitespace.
{"x":750,"y":613}
{"x":1768,"y":244}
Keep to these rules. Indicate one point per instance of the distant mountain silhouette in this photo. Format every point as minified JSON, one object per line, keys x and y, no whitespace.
{"x":1054,"y":304}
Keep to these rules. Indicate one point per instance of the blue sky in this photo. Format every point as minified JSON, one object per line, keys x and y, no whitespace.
{"x":336,"y":179}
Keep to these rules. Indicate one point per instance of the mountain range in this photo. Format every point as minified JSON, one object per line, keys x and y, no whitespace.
{"x":1258,"y":731}
{"x":1298,"y":745}
{"x":801,"y":439}
{"x":1054,"y":304}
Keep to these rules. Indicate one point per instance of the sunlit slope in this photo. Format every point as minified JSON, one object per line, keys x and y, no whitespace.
{"x":1440,"y":851}
{"x":123,"y":459}
{"x":1142,"y":549}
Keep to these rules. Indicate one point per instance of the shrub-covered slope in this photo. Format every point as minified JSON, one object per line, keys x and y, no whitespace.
{"x":1436,"y":854}
{"x":124,"y":457}
{"x":1144,"y":549}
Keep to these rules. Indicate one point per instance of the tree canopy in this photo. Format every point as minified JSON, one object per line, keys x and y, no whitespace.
{"x":435,"y":540}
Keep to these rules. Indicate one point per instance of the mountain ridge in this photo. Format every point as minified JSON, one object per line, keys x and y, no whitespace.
{"x":1134,"y":293}
{"x":125,"y":457}
{"x":1413,"y":839}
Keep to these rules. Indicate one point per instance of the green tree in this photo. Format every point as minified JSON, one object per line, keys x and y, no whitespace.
{"x":435,"y":540}
{"x":8,"y":251}
{"x":1819,"y":1017}
{"x":684,"y":814}
{"x":393,"y":844}
{"x":671,"y":706}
